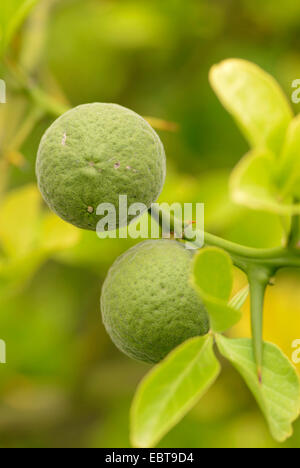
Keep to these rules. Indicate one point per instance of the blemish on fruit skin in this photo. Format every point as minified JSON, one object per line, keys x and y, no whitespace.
{"x":64,"y":139}
{"x":91,"y":163}
{"x":117,"y":165}
{"x":128,"y":168}
{"x":90,"y":209}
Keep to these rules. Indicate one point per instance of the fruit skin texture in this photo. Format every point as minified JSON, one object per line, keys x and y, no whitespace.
{"x":94,"y":153}
{"x":148,"y":305}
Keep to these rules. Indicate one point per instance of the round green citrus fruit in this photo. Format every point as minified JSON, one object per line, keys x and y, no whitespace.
{"x":148,"y":305}
{"x":94,"y":153}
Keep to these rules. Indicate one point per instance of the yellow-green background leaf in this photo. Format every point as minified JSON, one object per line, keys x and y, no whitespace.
{"x":12,"y":14}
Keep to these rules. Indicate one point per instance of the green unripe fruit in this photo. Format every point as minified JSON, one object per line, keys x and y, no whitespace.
{"x":94,"y":153}
{"x":148,"y":305}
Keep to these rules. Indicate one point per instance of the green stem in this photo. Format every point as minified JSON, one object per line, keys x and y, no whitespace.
{"x":46,"y":102}
{"x":258,"y":281}
{"x":294,"y":237}
{"x":259,"y":264}
{"x":38,"y":96}
{"x":242,"y":256}
{"x":25,"y":129}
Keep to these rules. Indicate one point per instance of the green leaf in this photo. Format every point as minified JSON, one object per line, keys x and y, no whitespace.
{"x":288,"y":173}
{"x":212,"y":277}
{"x":12,"y":15}
{"x":171,"y":389}
{"x":253,"y":185}
{"x":255,"y":100}
{"x":279,"y":393}
{"x":240,"y":298}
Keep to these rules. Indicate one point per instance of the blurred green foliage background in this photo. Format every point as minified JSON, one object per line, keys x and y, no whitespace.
{"x":65,"y":384}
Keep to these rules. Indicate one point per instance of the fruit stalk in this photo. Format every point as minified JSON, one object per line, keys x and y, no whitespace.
{"x":242,"y":256}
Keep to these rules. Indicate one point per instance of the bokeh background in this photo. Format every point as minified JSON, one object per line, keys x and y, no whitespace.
{"x":65,"y":384}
